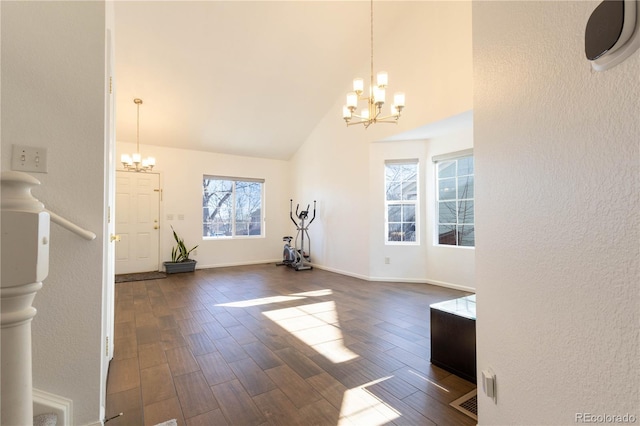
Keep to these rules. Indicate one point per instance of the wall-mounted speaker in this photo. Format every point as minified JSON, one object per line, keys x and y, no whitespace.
{"x":612,"y":33}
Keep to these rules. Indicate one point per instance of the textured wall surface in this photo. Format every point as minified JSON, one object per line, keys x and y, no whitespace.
{"x":53,"y":86}
{"x":557,"y":217}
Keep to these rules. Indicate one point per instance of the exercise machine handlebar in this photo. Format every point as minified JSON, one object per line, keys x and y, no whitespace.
{"x":291,"y":212}
{"x":302,"y":215}
{"x":314,"y":212}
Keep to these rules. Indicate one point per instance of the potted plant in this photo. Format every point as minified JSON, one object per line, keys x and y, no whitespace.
{"x":180,"y":261}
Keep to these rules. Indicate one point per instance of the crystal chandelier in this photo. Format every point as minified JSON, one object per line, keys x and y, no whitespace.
{"x":373,"y":110}
{"x":135,"y":162}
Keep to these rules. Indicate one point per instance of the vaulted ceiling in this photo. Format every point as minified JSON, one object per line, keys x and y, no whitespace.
{"x":239,"y":77}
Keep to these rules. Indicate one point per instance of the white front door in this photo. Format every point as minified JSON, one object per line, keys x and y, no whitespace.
{"x":137,"y":222}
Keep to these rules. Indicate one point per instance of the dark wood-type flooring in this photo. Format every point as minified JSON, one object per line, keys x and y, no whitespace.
{"x":263,"y":345}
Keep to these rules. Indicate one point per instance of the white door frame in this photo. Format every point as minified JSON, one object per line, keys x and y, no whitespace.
{"x":108,"y":262}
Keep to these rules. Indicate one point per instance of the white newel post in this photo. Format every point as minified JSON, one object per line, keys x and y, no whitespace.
{"x":25,"y":264}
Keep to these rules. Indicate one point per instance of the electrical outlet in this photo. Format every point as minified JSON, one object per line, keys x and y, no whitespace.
{"x":180,"y":217}
{"x":29,"y":159}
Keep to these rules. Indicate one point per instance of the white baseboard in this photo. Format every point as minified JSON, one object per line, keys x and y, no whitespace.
{"x":45,"y":402}
{"x":424,"y":281}
{"x":399,"y":280}
{"x":341,"y":272}
{"x":451,"y":285}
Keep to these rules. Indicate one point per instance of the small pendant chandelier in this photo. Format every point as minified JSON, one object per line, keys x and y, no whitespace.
{"x":372,"y":112}
{"x":135,"y":162}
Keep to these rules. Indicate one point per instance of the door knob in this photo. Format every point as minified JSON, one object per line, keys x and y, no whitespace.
{"x":156,"y":227}
{"x":113,"y":238}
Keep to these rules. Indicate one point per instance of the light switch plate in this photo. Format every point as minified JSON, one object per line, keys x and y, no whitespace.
{"x":29,"y":159}
{"x":489,"y":384}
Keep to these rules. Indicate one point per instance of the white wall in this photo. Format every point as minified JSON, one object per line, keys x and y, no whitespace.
{"x":557,"y":214}
{"x":53,"y":96}
{"x":429,"y":58}
{"x":181,"y":180}
{"x":427,"y":262}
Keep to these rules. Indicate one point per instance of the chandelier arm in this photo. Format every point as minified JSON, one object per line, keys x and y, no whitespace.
{"x":386,"y":117}
{"x":352,"y":123}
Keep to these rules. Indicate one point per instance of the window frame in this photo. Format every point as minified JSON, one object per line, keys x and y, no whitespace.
{"x":446,"y":158}
{"x":235,"y":181}
{"x":415,"y":203}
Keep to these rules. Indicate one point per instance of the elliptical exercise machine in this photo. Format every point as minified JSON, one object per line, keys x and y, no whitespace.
{"x":295,"y":257}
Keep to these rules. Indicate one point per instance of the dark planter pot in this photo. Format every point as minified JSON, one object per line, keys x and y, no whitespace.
{"x":177,"y":267}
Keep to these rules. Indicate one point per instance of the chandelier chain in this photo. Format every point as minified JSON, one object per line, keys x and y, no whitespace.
{"x":138,"y":126}
{"x":371,"y":73}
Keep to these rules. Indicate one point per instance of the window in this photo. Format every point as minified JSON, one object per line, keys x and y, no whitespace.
{"x":232,"y":207}
{"x":455,"y":196}
{"x":401,"y":201}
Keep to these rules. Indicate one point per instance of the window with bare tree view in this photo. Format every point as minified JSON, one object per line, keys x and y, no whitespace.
{"x":401,"y":201}
{"x":455,"y":225}
{"x":231,"y":207}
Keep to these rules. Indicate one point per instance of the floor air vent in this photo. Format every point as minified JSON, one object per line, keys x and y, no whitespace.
{"x":467,"y":404}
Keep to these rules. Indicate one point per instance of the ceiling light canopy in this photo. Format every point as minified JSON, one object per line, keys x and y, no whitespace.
{"x":135,"y":162}
{"x":372,"y":113}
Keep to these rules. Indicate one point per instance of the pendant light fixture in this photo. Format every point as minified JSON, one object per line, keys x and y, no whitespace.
{"x":376,"y":99}
{"x":135,"y":162}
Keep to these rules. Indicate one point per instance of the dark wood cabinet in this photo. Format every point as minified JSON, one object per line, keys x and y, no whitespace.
{"x":453,"y":336}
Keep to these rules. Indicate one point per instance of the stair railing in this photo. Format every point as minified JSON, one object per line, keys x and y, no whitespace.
{"x":25,"y":264}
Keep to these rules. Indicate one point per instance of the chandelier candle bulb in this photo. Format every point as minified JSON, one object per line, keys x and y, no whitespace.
{"x":346,"y":113}
{"x":398,"y":99}
{"x":378,"y":95}
{"x":358,"y":85}
{"x":352,"y":100}
{"x":382,"y":79}
{"x":364,"y":114}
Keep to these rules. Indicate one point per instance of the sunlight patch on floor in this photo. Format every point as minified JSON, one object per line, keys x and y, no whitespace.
{"x":315,"y":293}
{"x":315,"y":325}
{"x":258,"y":302}
{"x":276,"y":299}
{"x":426,"y":379}
{"x":359,"y":406}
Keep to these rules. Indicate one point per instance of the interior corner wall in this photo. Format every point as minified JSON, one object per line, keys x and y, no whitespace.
{"x":429,"y":57}
{"x":181,"y":172}
{"x":426,"y":262}
{"x":53,"y":96}
{"x":557,"y":214}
